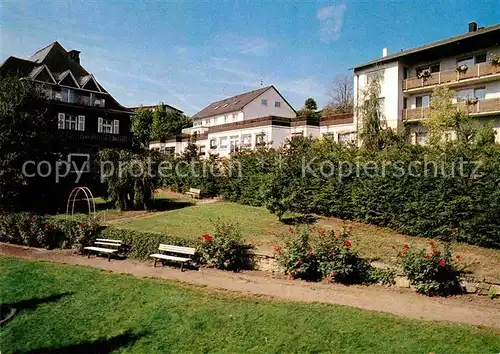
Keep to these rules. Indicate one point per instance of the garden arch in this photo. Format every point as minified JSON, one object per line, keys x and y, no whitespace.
{"x":88,"y":196}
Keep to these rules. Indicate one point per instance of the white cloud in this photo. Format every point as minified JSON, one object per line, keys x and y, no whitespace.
{"x":331,"y":19}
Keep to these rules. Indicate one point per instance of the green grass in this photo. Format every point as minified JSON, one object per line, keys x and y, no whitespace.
{"x":135,"y":315}
{"x":257,"y":224}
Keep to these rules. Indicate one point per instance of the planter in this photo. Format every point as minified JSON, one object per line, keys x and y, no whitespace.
{"x":462,"y":68}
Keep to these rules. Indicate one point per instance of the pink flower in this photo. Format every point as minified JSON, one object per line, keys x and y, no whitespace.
{"x":454,"y":230}
{"x":299,"y":263}
{"x":46,"y":226}
{"x":442,"y":262}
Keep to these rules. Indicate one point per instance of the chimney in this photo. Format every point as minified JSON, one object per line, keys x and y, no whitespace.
{"x":74,"y":55}
{"x":472,"y":27}
{"x":385,"y":52}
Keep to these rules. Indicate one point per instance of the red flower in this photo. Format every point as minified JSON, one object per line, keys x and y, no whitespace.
{"x":290,"y":229}
{"x":311,"y":253}
{"x":299,"y":263}
{"x":400,"y":254}
{"x":458,"y":257}
{"x":207,"y":238}
{"x":280,"y":253}
{"x":33,"y":217}
{"x":406,"y":245}
{"x":276,"y":248}
{"x":393,"y":247}
{"x":332,"y":254}
{"x":81,"y":225}
{"x":334,"y":274}
{"x":347,"y":243}
{"x":434,"y":251}
{"x":321,"y":233}
{"x":349,"y":228}
{"x":431,"y":243}
{"x":302,"y":245}
{"x":324,"y":248}
{"x":46,"y":226}
{"x":442,"y":262}
{"x":454,"y":230}
{"x":427,"y":256}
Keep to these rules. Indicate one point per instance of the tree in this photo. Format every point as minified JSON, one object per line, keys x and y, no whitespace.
{"x":142,"y":124}
{"x":26,"y":133}
{"x":371,"y":116}
{"x":341,"y":96}
{"x":310,"y":104}
{"x":168,"y":123}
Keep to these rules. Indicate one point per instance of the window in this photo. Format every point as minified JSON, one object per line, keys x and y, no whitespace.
{"x":260,"y":139}
{"x":108,"y":126}
{"x":213,"y":144}
{"x":202,"y":150}
{"x":346,"y":138}
{"x":67,"y":95}
{"x":207,"y":121}
{"x":227,"y":104}
{"x":405,"y":103}
{"x":70,"y":122}
{"x":422,"y":101}
{"x":277,"y":104}
{"x":226,"y":118}
{"x":480,"y":58}
{"x":263,"y":102}
{"x":480,"y":93}
{"x":234,"y":117}
{"x":236,"y":102}
{"x":469,"y":61}
{"x":375,"y":75}
{"x":216,"y":107}
{"x":246,"y":140}
{"x":223,"y":142}
{"x":234,"y":143}
{"x":464,"y":95}
{"x":421,"y":138}
{"x":433,"y":68}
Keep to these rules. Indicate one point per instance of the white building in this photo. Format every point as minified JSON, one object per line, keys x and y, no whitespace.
{"x":259,"y":117}
{"x":408,"y":78}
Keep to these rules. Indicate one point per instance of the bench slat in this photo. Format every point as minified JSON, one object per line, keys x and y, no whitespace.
{"x":177,"y":249}
{"x":100,"y":249}
{"x":108,"y":243}
{"x":108,"y":240}
{"x":171,"y":258}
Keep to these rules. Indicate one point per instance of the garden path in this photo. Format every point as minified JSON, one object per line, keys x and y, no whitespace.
{"x":467,"y":309}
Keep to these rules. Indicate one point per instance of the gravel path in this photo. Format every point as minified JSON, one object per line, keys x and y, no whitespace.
{"x":468,"y":309}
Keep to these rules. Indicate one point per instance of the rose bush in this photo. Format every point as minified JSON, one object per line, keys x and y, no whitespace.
{"x":431,"y":271}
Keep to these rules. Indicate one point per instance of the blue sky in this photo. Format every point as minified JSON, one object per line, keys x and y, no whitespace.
{"x":189,"y":53}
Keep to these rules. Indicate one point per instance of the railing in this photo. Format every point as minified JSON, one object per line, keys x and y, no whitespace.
{"x":481,"y":106}
{"x":80,"y":135}
{"x":79,"y":99}
{"x":450,"y":76}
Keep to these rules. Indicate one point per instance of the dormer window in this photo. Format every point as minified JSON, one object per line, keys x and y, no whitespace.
{"x":216,"y":107}
{"x":236,"y":102}
{"x":227,"y":104}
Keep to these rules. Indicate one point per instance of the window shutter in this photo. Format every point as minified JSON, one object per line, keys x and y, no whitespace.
{"x":60,"y":122}
{"x":99,"y":125}
{"x":81,"y":123}
{"x":116,"y":126}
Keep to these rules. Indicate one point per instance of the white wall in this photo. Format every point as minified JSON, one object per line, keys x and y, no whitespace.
{"x":255,"y":109}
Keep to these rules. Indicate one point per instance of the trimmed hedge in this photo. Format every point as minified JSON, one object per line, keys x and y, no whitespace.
{"x":141,"y":244}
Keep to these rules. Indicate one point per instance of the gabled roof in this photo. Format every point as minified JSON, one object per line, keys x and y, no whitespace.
{"x":231,"y":104}
{"x":69,"y":74}
{"x":451,"y":40}
{"x":35,"y":73}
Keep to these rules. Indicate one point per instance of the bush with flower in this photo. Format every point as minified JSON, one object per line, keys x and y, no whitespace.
{"x":225,"y":250}
{"x":312,"y":254}
{"x":431,"y":270}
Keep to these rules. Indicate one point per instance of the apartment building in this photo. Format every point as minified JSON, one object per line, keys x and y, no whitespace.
{"x":467,"y":64}
{"x":261,"y":117}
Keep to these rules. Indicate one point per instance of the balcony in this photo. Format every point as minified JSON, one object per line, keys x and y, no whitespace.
{"x":95,"y":137}
{"x":90,"y":100}
{"x":482,"y":107}
{"x":453,"y":77}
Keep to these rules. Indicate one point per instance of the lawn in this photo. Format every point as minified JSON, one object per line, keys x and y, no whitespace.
{"x":66,"y":308}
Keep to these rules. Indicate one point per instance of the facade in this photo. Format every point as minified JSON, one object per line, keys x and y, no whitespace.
{"x":255,"y":118}
{"x":89,"y":118}
{"x":464,"y":63}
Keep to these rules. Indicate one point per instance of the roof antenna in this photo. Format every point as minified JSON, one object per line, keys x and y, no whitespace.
{"x":261,"y":82}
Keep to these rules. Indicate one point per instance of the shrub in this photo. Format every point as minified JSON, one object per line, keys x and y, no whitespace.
{"x":325,"y":255}
{"x":430,"y":270}
{"x":225,"y":250}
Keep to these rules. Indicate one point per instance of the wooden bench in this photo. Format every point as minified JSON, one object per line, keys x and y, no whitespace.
{"x":194,"y":193}
{"x":116,"y":244}
{"x":186,"y":252}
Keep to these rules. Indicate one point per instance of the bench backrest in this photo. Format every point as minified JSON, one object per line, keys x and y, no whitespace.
{"x":177,"y":249}
{"x":118,"y":242}
{"x":195,"y":190}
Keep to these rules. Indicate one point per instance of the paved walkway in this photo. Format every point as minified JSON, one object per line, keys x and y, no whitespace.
{"x":468,"y":309}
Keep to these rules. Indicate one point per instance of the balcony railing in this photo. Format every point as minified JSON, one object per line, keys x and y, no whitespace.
{"x":78,"y":99}
{"x":451,"y":76}
{"x":81,"y":135}
{"x":482,"y":106}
